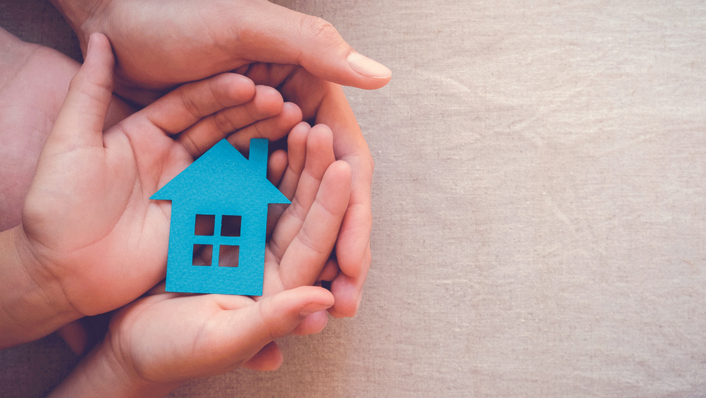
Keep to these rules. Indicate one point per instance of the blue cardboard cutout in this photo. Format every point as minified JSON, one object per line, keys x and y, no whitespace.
{"x":234,"y":192}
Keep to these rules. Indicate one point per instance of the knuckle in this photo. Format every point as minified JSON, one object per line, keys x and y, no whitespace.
{"x":274,"y":325}
{"x":189,"y":104}
{"x":320,"y":29}
{"x":223,"y":123}
{"x":190,"y":146}
{"x":370,"y":163}
{"x":317,"y":246}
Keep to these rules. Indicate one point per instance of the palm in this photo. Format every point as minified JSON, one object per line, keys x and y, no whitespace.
{"x":216,"y":333}
{"x":95,"y":209}
{"x":148,"y":326}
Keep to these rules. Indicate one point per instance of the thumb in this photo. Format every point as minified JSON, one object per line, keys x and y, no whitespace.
{"x":279,"y":315}
{"x":80,"y":121}
{"x":259,"y":324}
{"x":279,"y":35}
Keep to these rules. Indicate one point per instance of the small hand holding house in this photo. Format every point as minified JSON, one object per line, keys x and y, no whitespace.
{"x":234,"y":193}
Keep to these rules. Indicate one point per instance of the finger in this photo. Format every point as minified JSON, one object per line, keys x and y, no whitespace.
{"x":276,"y":165}
{"x":80,"y":121}
{"x":75,"y":336}
{"x":272,"y":284}
{"x":283,"y":312}
{"x":312,"y":324}
{"x":350,"y":146}
{"x":160,"y":288}
{"x":269,"y":358}
{"x":348,"y":290}
{"x":248,"y":329}
{"x":319,"y":155}
{"x":266,"y":103}
{"x":273,"y":128}
{"x":296,"y":156}
{"x":327,"y":103}
{"x":329,"y":272}
{"x":186,"y":105}
{"x":278,"y":35}
{"x":288,"y":179}
{"x":306,"y":255}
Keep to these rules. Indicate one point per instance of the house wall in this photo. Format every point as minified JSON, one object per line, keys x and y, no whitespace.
{"x":245,"y":279}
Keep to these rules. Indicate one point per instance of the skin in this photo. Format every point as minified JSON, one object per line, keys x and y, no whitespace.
{"x":141,"y":355}
{"x":31,"y":95}
{"x":89,"y":201}
{"x":160,"y":44}
{"x":34,"y":81}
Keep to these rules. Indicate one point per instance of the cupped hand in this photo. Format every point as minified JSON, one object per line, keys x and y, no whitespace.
{"x":88,"y":222}
{"x":324,"y":103}
{"x":159,"y":44}
{"x":172,"y":337}
{"x":161,"y":341}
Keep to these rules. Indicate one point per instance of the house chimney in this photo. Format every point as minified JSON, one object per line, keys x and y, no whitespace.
{"x":258,"y":156}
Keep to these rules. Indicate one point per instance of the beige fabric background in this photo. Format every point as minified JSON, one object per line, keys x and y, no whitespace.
{"x":539,"y":203}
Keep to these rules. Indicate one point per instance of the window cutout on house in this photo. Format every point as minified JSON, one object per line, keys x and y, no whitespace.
{"x":204,"y":225}
{"x":202,"y":255}
{"x":231,"y":226}
{"x":228,"y":256}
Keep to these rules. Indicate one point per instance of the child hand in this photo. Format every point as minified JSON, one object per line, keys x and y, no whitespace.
{"x":91,"y":238}
{"x":306,"y":231}
{"x":161,"y":341}
{"x":302,"y":240}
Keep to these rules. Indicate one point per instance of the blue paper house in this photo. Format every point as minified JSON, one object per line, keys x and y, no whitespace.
{"x":232,"y":194}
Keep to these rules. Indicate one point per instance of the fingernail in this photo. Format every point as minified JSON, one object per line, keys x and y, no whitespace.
{"x":312,"y":308}
{"x":367,"y":67}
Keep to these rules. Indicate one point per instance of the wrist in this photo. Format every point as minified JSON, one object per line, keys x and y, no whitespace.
{"x":32,"y":302}
{"x":103,"y":372}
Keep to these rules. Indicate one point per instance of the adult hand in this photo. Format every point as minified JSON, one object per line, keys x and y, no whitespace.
{"x":90,"y":233}
{"x":161,"y":44}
